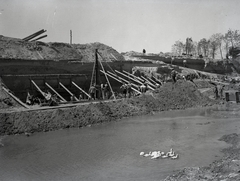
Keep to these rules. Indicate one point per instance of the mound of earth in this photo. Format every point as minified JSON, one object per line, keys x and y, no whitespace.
{"x":180,"y":95}
{"x":36,"y":50}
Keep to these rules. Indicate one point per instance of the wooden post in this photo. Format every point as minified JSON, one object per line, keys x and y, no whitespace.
{"x":107,"y":79}
{"x":97,"y":74}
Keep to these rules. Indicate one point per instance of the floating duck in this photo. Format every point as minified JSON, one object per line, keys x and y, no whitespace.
{"x":141,"y":153}
{"x":175,"y":157}
{"x":165,"y":156}
{"x":154,"y":153}
{"x":172,"y":154}
{"x":148,"y":154}
{"x":155,"y":157}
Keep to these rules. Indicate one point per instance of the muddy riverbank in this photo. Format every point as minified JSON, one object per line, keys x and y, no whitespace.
{"x":228,"y":167}
{"x":170,"y":96}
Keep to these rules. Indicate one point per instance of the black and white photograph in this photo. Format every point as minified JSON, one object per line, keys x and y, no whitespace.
{"x":119,"y":90}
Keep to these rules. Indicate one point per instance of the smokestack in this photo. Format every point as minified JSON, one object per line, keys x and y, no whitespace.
{"x":70,"y":37}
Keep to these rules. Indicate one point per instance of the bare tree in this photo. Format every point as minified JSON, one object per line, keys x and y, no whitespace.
{"x":233,"y":37}
{"x":178,"y":47}
{"x":204,"y":46}
{"x":189,"y":46}
{"x":215,"y":43}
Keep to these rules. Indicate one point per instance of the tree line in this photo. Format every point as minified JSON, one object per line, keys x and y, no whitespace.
{"x":217,"y":43}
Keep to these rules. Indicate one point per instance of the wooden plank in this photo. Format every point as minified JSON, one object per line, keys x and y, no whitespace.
{"x":38,"y":88}
{"x":55,"y":92}
{"x":123,"y":80}
{"x":15,"y":98}
{"x":119,"y":80}
{"x":68,"y":90}
{"x":81,"y":89}
{"x":149,"y":83}
{"x":129,"y":77}
{"x":134,"y":76}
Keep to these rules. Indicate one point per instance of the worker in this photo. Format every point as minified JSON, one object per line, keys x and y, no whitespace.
{"x":107,"y":91}
{"x":221,"y":91}
{"x":29,"y":99}
{"x":173,"y":75}
{"x":54,"y":101}
{"x":184,"y":63}
{"x":102,"y":86}
{"x":92,"y":92}
{"x":129,"y":89}
{"x":124,"y":89}
{"x":143,"y":88}
{"x":47,"y":96}
{"x":216,"y":92}
{"x":80,"y":96}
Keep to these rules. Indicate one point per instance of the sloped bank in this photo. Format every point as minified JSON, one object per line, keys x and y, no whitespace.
{"x":180,"y":95}
{"x":225,"y":169}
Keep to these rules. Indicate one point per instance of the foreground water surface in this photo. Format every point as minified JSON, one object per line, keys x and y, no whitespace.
{"x":110,"y":151}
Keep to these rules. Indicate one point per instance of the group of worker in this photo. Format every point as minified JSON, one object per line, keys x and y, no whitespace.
{"x":48,"y":98}
{"x":99,"y":92}
{"x":32,"y":100}
{"x":126,"y":90}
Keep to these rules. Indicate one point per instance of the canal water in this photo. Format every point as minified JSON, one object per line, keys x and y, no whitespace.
{"x":110,"y":151}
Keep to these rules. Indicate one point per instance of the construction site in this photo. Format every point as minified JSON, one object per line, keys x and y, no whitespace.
{"x":59,"y":88}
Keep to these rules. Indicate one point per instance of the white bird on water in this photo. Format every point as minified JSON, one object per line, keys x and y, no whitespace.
{"x":175,"y":157}
{"x":148,"y":154}
{"x":141,"y":153}
{"x":156,"y":154}
{"x":165,"y":156}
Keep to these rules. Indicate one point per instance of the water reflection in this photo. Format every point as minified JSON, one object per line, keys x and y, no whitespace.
{"x":110,"y":151}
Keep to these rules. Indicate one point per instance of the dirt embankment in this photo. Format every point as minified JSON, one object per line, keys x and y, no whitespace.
{"x":180,"y":95}
{"x":36,"y":50}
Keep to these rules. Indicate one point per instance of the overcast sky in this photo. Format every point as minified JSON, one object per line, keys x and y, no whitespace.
{"x":125,"y":25}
